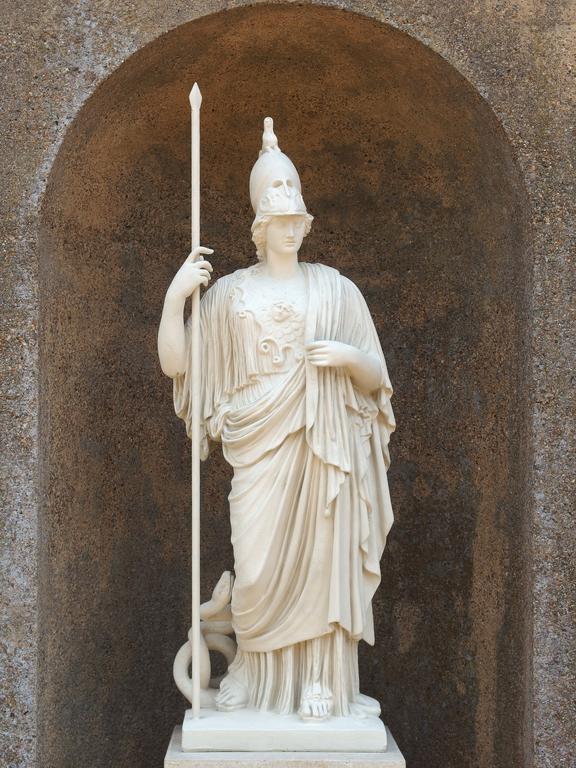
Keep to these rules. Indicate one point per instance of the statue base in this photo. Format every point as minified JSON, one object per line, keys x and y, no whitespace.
{"x":176,"y":757}
{"x":247,"y":736}
{"x":256,"y":731}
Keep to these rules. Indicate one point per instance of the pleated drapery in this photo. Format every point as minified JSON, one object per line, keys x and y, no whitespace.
{"x":309,"y":506}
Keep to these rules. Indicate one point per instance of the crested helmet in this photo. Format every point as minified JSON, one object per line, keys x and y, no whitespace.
{"x":275,"y":188}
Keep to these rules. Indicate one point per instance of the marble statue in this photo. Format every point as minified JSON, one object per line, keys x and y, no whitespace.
{"x":294,"y":386}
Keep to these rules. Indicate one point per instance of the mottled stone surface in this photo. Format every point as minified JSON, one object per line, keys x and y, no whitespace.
{"x":478,"y":329}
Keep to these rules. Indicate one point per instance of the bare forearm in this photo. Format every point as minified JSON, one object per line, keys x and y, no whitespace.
{"x":193,"y":273}
{"x":171,"y":336}
{"x":365,"y":370}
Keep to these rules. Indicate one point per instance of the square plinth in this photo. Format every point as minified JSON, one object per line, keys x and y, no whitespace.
{"x":176,"y":758}
{"x":247,"y":730}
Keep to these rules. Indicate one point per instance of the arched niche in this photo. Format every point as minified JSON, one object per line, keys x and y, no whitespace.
{"x":417,"y":198}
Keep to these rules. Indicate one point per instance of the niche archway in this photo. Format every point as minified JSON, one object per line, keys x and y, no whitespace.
{"x":417,"y":199}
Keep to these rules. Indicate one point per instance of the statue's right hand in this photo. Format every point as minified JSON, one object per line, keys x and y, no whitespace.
{"x":191,"y":274}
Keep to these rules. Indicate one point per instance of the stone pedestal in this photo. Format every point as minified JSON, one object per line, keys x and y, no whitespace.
{"x":176,"y":758}
{"x":255,"y":731}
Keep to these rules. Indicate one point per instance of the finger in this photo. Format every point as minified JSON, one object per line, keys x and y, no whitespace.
{"x":315,"y":344}
{"x":319,"y":363}
{"x":197,"y":251}
{"x":321,"y":349}
{"x":193,"y":256}
{"x":204,"y":265}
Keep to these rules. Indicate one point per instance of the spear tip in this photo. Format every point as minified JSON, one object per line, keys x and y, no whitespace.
{"x":195,"y":97}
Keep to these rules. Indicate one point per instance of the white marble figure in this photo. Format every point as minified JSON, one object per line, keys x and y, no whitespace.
{"x":295,"y":388}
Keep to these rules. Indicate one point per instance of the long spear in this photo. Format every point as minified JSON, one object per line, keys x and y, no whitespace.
{"x":195,"y":102}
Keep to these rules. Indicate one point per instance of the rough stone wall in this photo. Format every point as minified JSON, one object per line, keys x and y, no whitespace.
{"x":519,"y":57}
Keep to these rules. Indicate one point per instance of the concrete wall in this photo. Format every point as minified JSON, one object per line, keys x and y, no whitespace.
{"x":422,"y":190}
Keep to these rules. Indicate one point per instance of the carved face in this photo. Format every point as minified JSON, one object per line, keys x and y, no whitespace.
{"x":282,"y":197}
{"x":284,"y":234}
{"x":286,"y":184}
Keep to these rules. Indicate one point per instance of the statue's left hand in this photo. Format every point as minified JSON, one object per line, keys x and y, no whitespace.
{"x":365,"y":370}
{"x":331,"y":354}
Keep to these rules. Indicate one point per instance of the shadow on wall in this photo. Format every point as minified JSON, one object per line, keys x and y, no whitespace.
{"x":418,"y":200}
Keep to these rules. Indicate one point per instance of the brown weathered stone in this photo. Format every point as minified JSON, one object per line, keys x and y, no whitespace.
{"x":419,"y":199}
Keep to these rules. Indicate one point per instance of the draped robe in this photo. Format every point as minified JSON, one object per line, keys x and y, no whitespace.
{"x":309,"y":506}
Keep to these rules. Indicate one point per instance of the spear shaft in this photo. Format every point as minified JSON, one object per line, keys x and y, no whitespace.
{"x":195,"y":102}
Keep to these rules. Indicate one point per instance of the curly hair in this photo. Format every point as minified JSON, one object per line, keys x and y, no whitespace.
{"x":259,"y":233}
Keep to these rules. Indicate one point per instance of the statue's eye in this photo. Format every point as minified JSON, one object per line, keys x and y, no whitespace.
{"x":277,"y":183}
{"x":289,"y":183}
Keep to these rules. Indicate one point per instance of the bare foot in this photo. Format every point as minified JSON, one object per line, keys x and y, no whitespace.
{"x":316,"y":703}
{"x":233,"y":694}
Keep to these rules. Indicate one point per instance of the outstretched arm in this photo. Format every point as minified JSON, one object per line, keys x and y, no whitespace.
{"x":171,"y":335}
{"x":365,"y":370}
